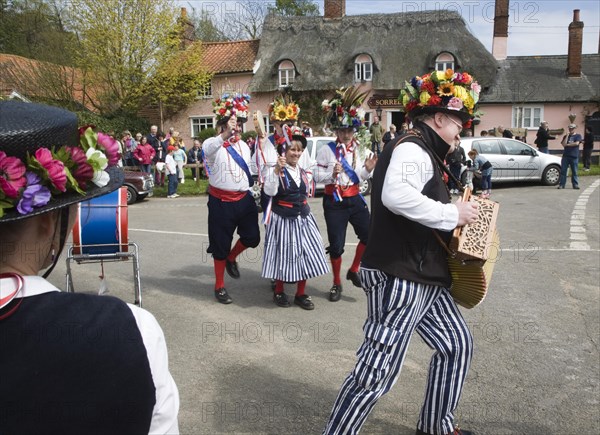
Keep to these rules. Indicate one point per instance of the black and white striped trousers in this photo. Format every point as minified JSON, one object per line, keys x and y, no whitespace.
{"x":397,"y":308}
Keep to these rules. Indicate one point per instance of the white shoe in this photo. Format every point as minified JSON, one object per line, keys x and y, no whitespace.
{"x":175,"y":195}
{"x":170,"y":196}
{"x":195,"y":179}
{"x":182,"y":181}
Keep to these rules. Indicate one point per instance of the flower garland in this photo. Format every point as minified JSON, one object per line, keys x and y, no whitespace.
{"x":444,"y":89}
{"x":341,"y":113}
{"x":282,"y":110}
{"x":46,"y":174}
{"x":228,"y":105}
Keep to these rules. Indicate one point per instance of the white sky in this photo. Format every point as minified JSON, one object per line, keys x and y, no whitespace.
{"x":535,"y":27}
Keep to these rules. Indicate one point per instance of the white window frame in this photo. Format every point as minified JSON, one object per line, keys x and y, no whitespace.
{"x":444,"y":61}
{"x":199,"y":123}
{"x":287,"y":73}
{"x":527,"y":116}
{"x":369,"y":116}
{"x":363,"y":68}
{"x":206,"y":92}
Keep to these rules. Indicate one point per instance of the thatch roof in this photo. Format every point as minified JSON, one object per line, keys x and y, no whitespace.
{"x":543,"y":79}
{"x":401,"y":45}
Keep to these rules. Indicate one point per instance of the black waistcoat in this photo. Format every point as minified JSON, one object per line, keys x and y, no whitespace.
{"x":397,"y":245}
{"x":74,"y":364}
{"x":291,"y":195}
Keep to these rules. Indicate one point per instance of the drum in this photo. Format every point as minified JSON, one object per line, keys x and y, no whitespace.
{"x":101,"y":225}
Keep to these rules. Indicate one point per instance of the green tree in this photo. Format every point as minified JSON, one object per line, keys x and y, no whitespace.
{"x":205,"y":28}
{"x":295,"y":8}
{"x":121,"y":47}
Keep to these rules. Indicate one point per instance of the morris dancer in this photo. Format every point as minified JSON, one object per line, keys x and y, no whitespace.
{"x":404,"y":271}
{"x":230,"y":202}
{"x":293,"y":245}
{"x":340,"y":166}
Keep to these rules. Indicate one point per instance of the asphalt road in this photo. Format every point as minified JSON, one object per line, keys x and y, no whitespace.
{"x":252,"y":367}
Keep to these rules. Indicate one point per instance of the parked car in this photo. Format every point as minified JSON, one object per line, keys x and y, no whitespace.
{"x":514,"y":160}
{"x":139,"y":185}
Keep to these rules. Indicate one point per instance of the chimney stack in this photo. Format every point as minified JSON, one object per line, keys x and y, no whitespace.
{"x":187,"y":30}
{"x":500,"y":41}
{"x":575,"y":46}
{"x":335,"y":9}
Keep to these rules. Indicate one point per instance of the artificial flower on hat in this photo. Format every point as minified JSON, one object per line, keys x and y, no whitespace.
{"x":442,"y":91}
{"x":47,"y":163}
{"x":231,"y":104}
{"x":344,"y":109}
{"x":283,"y":109}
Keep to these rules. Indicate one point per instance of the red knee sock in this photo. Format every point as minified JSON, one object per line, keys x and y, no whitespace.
{"x":278,"y":287}
{"x":360,"y":250}
{"x":219,"y":273}
{"x":301,"y":287}
{"x":237,"y":250}
{"x":336,"y":267}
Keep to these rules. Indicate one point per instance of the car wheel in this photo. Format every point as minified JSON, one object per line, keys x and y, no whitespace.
{"x":365,"y":187}
{"x":131,"y":195}
{"x":551,"y":175}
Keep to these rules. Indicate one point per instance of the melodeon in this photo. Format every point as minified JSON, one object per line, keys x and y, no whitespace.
{"x":473,"y":251}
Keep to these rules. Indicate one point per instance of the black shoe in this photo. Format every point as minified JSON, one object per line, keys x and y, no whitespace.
{"x":273,"y":285}
{"x":222,"y":296}
{"x":560,"y":187}
{"x":304,"y":301}
{"x":335,"y":293}
{"x":576,"y":187}
{"x":232,"y":269}
{"x":457,"y":431}
{"x":354,"y":277}
{"x":281,"y":300}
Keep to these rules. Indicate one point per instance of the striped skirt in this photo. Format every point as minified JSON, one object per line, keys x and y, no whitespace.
{"x":293,"y":249}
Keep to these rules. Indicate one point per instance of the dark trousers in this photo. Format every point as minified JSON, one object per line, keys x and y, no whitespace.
{"x":173,"y":183}
{"x":454,"y":170}
{"x":587,"y":158}
{"x":224,"y":218}
{"x":351,"y":210}
{"x":566,"y":163}
{"x":375,"y":147}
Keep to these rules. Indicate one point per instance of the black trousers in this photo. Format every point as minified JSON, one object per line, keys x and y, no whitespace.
{"x":351,"y":210}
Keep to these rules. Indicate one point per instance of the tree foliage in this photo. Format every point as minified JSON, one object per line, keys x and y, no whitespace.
{"x":295,"y":8}
{"x":121,"y":45}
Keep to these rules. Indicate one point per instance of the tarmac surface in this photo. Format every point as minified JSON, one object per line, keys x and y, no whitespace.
{"x":252,"y":367}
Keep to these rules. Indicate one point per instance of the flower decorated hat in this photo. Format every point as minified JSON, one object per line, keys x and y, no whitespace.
{"x":283,"y":109}
{"x":344,"y":109}
{"x":447,"y":91}
{"x":47,"y":163}
{"x":231,"y":104}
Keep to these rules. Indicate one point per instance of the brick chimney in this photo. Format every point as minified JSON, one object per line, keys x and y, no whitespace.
{"x":335,"y":8}
{"x":500,"y":41}
{"x":187,"y":31}
{"x":575,"y":46}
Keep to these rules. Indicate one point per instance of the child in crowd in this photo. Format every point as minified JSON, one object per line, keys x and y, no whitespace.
{"x":171,"y":171}
{"x":180,"y":159}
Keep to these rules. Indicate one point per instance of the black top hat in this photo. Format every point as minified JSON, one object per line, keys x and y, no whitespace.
{"x":45,"y":164}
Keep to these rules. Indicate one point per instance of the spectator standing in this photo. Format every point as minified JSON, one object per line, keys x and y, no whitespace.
{"x":109,"y":374}
{"x":484,"y":133}
{"x":403,"y":129}
{"x":390,"y":135}
{"x":588,"y":147}
{"x":152,"y":137}
{"x":376,"y":130}
{"x":181,"y":159}
{"x":570,"y":157}
{"x":159,"y":165}
{"x":195,"y":156}
{"x":483,"y":165}
{"x":542,"y":137}
{"x":144,"y":154}
{"x":455,"y":161}
{"x":171,"y":171}
{"x":306,"y":130}
{"x":129,"y":146}
{"x":505,"y":133}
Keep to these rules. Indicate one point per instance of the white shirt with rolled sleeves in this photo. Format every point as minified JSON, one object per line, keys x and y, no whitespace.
{"x":225,"y":173}
{"x":268,"y":158}
{"x":409,"y":170}
{"x":273,"y":180}
{"x":323,"y":170}
{"x":166,"y":408}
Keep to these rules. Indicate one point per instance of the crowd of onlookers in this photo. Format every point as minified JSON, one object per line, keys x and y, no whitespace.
{"x":150,"y":153}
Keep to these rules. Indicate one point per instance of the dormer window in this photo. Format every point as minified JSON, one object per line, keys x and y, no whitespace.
{"x":363,"y":68}
{"x":444,"y":61}
{"x":287,"y":73}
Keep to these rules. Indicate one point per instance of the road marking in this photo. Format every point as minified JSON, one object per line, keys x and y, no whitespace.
{"x":168,"y":232}
{"x":578,"y":234}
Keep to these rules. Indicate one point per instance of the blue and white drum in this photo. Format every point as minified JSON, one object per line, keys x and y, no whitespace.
{"x":101,"y":226}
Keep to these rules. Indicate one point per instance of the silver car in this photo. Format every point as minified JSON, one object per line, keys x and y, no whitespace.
{"x":514,"y":160}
